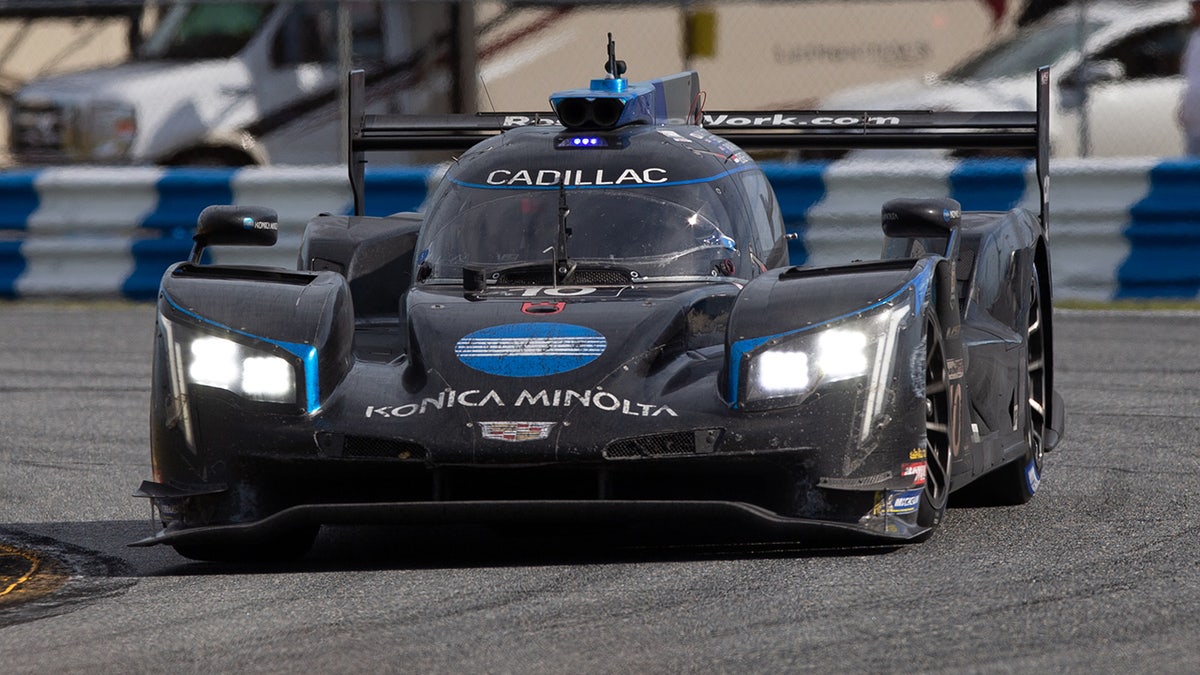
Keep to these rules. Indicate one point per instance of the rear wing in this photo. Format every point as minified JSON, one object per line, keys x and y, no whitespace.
{"x":907,"y":129}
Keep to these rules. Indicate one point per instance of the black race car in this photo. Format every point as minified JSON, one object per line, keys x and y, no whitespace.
{"x":594,"y":320}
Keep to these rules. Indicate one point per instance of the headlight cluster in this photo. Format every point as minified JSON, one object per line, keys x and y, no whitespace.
{"x":255,"y":369}
{"x":796,"y":366}
{"x":784,"y":369}
{"x":225,"y":364}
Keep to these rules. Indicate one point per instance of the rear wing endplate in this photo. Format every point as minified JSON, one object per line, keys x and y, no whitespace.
{"x":901,"y":129}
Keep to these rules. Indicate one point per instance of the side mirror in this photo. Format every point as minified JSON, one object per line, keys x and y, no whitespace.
{"x":904,"y":217}
{"x":229,"y":225}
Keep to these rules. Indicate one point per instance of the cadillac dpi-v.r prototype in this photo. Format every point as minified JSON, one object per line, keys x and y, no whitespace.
{"x":594,"y":320}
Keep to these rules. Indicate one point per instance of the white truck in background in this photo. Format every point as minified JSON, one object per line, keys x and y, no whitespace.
{"x":238,"y":84}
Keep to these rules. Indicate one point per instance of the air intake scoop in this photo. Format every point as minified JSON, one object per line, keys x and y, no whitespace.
{"x":613,"y":101}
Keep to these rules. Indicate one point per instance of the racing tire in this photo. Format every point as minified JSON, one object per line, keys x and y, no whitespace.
{"x":282,"y":547}
{"x":1015,"y":483}
{"x":936,"y":492}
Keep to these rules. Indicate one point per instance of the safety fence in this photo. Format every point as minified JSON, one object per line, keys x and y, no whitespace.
{"x":1125,"y":228}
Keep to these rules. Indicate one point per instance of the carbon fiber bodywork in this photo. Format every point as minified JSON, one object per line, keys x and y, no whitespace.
{"x":848,"y":400}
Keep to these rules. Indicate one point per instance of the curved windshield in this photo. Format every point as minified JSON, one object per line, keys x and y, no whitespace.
{"x":210,"y":30}
{"x":1025,"y":52}
{"x":679,"y":232}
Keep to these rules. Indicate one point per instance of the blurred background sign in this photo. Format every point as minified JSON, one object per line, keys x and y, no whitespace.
{"x":700,"y":32}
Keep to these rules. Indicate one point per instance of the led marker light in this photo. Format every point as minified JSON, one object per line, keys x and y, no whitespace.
{"x":782,"y":371}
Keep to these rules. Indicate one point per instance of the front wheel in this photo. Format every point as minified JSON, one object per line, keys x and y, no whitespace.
{"x":936,"y":491}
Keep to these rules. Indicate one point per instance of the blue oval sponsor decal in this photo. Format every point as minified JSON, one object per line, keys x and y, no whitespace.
{"x":530,"y":349}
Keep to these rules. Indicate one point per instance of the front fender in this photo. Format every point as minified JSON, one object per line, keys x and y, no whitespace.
{"x":276,"y":307}
{"x":884,"y":304}
{"x":881,"y":303}
{"x":304,"y":318}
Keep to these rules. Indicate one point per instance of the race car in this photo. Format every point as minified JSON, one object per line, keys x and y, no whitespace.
{"x":593,"y":320}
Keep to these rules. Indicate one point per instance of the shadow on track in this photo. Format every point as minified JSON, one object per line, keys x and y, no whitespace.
{"x":98,"y":549}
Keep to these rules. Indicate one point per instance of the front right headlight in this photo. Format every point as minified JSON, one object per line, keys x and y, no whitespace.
{"x":793,"y":367}
{"x":785,"y":369}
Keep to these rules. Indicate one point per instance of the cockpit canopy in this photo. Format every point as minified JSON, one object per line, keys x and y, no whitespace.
{"x":649,"y":201}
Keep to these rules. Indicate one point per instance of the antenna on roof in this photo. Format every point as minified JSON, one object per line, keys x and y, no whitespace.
{"x":614,"y":67}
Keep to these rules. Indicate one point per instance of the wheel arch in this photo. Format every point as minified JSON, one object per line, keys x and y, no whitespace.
{"x":943,"y":300}
{"x":1055,"y":416}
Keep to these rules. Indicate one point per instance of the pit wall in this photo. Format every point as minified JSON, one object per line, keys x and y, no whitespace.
{"x":1127,"y":228}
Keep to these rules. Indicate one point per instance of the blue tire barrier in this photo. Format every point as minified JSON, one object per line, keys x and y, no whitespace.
{"x":1127,"y":228}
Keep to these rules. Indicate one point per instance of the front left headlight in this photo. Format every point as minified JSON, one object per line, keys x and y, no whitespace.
{"x":785,"y":369}
{"x":258,"y":369}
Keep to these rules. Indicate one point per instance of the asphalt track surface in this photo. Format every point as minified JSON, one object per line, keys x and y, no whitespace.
{"x":1099,"y":573}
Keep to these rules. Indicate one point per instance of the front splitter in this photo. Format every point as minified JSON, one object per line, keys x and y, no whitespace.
{"x":710,"y":521}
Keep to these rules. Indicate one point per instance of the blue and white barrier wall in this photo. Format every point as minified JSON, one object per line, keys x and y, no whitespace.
{"x":1127,"y":228}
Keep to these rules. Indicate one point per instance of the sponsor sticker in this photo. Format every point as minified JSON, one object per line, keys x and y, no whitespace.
{"x":916,"y":471}
{"x":530,"y":349}
{"x":529,"y":121}
{"x":783,"y":120}
{"x":515,"y":432}
{"x":1032,"y":477}
{"x":577,"y":177}
{"x":544,"y":398}
{"x":954,"y":369}
{"x":902,"y":502}
{"x":249,"y":223}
